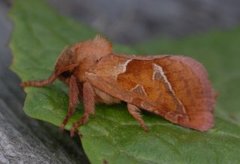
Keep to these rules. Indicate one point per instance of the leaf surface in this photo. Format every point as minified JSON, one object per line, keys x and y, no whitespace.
{"x":112,"y":134}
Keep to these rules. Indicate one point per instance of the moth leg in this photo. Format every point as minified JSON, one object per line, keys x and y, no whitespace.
{"x":73,"y":93}
{"x":89,"y":106}
{"x":135,"y":112}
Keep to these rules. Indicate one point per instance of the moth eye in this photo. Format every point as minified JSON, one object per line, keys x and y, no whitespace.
{"x":66,"y":74}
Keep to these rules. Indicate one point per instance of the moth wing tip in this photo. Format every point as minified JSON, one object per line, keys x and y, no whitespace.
{"x":205,"y":122}
{"x":200,"y":121}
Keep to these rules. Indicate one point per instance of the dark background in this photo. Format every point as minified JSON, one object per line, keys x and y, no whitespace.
{"x":23,"y":139}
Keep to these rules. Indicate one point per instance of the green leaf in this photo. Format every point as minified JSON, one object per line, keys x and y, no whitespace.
{"x":112,"y":134}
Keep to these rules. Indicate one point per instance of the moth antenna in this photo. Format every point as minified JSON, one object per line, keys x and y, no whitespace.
{"x":50,"y":80}
{"x":39,"y":83}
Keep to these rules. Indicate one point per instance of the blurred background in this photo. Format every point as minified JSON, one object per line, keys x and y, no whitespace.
{"x":129,"y":21}
{"x":122,"y":21}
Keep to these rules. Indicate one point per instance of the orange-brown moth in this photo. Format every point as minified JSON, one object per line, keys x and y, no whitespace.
{"x":174,"y":87}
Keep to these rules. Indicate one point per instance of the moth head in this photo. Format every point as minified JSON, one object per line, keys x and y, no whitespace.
{"x":66,"y":64}
{"x":76,"y":60}
{"x":64,"y":69}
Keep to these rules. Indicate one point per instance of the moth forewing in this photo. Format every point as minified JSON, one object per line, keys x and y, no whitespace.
{"x":168,"y":86}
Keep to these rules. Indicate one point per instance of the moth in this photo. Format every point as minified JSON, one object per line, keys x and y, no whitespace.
{"x":174,"y":87}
